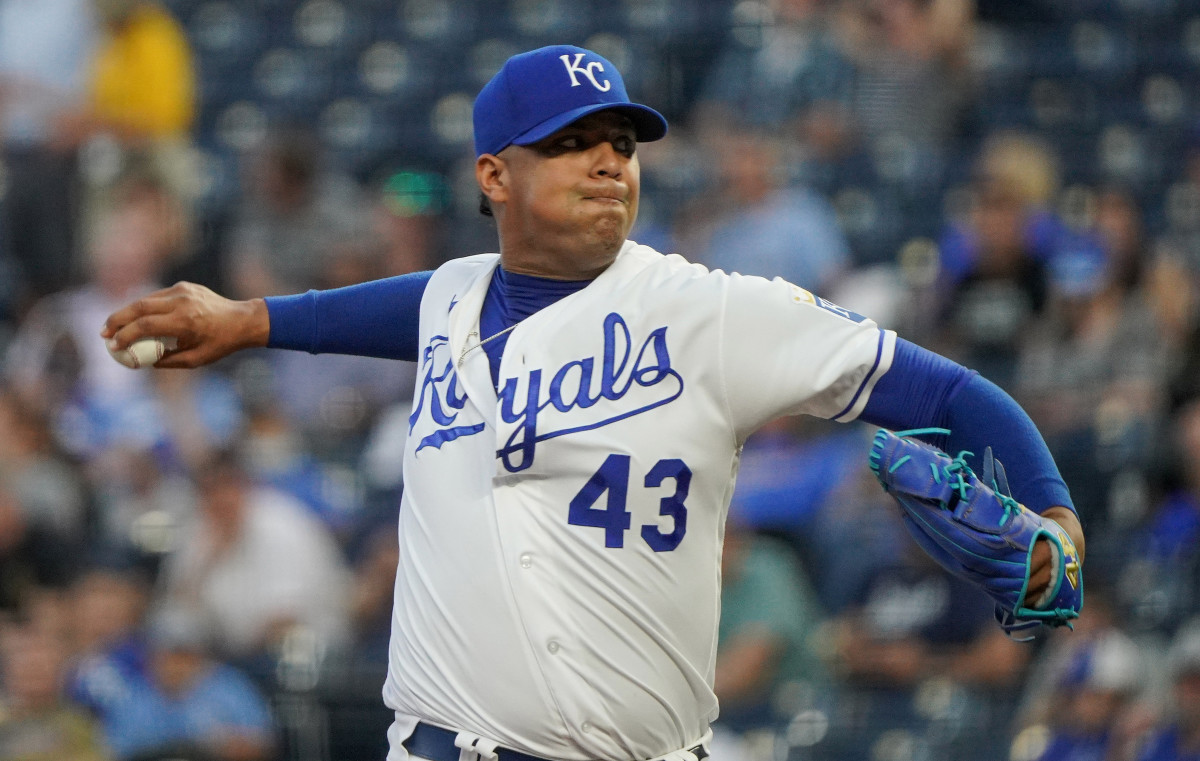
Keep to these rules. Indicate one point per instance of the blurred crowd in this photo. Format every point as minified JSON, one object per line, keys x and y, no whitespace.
{"x":199,"y":565}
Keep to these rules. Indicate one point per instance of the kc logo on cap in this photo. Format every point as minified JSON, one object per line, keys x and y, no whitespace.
{"x":573,"y":68}
{"x":535,"y":94}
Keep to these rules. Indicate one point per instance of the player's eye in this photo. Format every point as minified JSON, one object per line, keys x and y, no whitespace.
{"x":557,"y":146}
{"x":626,"y":146}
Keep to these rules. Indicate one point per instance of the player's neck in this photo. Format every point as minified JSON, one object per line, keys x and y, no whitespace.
{"x":553,"y":264}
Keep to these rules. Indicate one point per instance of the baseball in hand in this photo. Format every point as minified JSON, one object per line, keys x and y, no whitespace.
{"x":142,"y":353}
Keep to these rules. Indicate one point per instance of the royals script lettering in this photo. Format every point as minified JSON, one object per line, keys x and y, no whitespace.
{"x":627,"y":378}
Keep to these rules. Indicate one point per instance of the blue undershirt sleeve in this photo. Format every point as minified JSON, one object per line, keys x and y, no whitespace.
{"x":925,"y":390}
{"x":374,"y":319}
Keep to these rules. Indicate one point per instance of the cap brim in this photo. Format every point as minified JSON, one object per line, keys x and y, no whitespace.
{"x":648,"y":124}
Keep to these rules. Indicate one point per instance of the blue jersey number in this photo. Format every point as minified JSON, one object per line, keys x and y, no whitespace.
{"x":613,"y":477}
{"x":614,"y":517}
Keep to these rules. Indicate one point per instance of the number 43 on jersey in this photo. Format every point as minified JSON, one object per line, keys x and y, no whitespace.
{"x":613,"y":478}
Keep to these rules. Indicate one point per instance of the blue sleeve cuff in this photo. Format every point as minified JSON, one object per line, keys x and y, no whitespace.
{"x":293,"y":322}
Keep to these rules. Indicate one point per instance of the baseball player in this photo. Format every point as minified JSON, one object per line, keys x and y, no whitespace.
{"x":580,"y":408}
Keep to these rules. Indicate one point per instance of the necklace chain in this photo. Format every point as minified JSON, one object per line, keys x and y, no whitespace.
{"x":474,"y":333}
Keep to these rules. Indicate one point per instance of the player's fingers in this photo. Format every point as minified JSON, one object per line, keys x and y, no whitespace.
{"x":185,"y":359}
{"x":159,"y":302}
{"x":1040,"y":567}
{"x":162,"y":323}
{"x":1038,"y":582}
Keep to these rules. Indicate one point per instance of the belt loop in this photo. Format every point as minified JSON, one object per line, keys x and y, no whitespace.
{"x":477,"y":747}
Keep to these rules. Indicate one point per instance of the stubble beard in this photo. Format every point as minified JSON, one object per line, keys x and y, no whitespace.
{"x":608,"y":234}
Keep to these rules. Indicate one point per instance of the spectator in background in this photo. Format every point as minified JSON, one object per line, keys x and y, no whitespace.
{"x":276,"y":454}
{"x":1177,"y":735}
{"x":848,"y":517}
{"x":374,"y":586}
{"x":1120,"y":224}
{"x":759,"y":225}
{"x":911,"y":74}
{"x":107,"y":606}
{"x":45,"y":47}
{"x":1152,"y":273}
{"x":142,"y":104}
{"x":1055,"y":658}
{"x":50,"y":490}
{"x":786,"y":76}
{"x":294,"y":217}
{"x":142,"y":496}
{"x":769,"y":617}
{"x":188,"y":706}
{"x":33,"y":557}
{"x":143,"y":86}
{"x":1159,"y":556}
{"x":253,"y":565}
{"x":994,"y":263}
{"x":913,"y":630}
{"x":55,"y":354}
{"x":408,"y":218}
{"x":912,"y":621}
{"x":37,"y":723}
{"x":1092,"y":696}
{"x":1092,"y":374}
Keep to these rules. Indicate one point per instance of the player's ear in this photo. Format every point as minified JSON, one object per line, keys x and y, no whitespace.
{"x":491,"y":172}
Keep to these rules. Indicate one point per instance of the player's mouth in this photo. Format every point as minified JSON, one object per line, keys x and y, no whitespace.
{"x":608,"y":195}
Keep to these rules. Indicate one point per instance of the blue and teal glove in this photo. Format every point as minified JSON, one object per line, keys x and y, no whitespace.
{"x":974,"y":529}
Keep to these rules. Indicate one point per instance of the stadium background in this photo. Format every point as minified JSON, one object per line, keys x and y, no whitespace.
{"x":1015,"y":184}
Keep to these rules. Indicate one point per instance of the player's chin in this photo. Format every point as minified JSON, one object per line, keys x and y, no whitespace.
{"x":610,"y":231}
{"x":605,"y":210}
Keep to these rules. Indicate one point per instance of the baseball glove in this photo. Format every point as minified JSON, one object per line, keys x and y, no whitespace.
{"x":974,"y":529}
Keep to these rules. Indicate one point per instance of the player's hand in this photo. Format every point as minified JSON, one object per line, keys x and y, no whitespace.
{"x":1041,"y":566}
{"x":206,"y":325}
{"x":1039,"y":571}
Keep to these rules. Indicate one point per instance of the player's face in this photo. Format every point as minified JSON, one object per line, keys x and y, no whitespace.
{"x":574,"y":192}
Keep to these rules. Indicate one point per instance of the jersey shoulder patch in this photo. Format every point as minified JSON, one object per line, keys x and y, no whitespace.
{"x":801,"y":296}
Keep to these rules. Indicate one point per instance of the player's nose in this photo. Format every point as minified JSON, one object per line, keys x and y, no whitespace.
{"x":608,"y":162}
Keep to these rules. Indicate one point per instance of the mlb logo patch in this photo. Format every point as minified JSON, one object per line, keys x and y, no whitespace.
{"x":829,"y":306}
{"x":801,"y":296}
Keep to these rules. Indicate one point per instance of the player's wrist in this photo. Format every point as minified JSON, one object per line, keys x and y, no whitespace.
{"x":254,"y":321}
{"x":1068,"y":521}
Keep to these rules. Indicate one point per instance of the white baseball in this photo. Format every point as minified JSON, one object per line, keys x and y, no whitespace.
{"x":142,"y":353}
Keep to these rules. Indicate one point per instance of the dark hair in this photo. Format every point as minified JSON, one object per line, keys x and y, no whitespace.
{"x":295,"y":152}
{"x":485,"y":205}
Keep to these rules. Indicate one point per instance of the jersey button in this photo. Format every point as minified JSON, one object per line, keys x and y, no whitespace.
{"x":526,"y":560}
{"x":552,"y":646}
{"x":586,"y":726}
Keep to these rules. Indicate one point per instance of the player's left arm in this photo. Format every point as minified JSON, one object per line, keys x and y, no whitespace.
{"x":922,"y":389}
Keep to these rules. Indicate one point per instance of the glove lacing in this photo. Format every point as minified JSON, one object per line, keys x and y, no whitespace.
{"x":955,"y":471}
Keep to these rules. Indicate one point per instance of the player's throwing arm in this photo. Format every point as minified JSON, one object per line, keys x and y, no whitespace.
{"x":205,"y":325}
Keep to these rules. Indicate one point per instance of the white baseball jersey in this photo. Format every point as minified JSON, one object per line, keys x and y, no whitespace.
{"x":559,"y":581}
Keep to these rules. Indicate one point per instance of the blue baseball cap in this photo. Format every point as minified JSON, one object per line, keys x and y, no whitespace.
{"x":535,"y":94}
